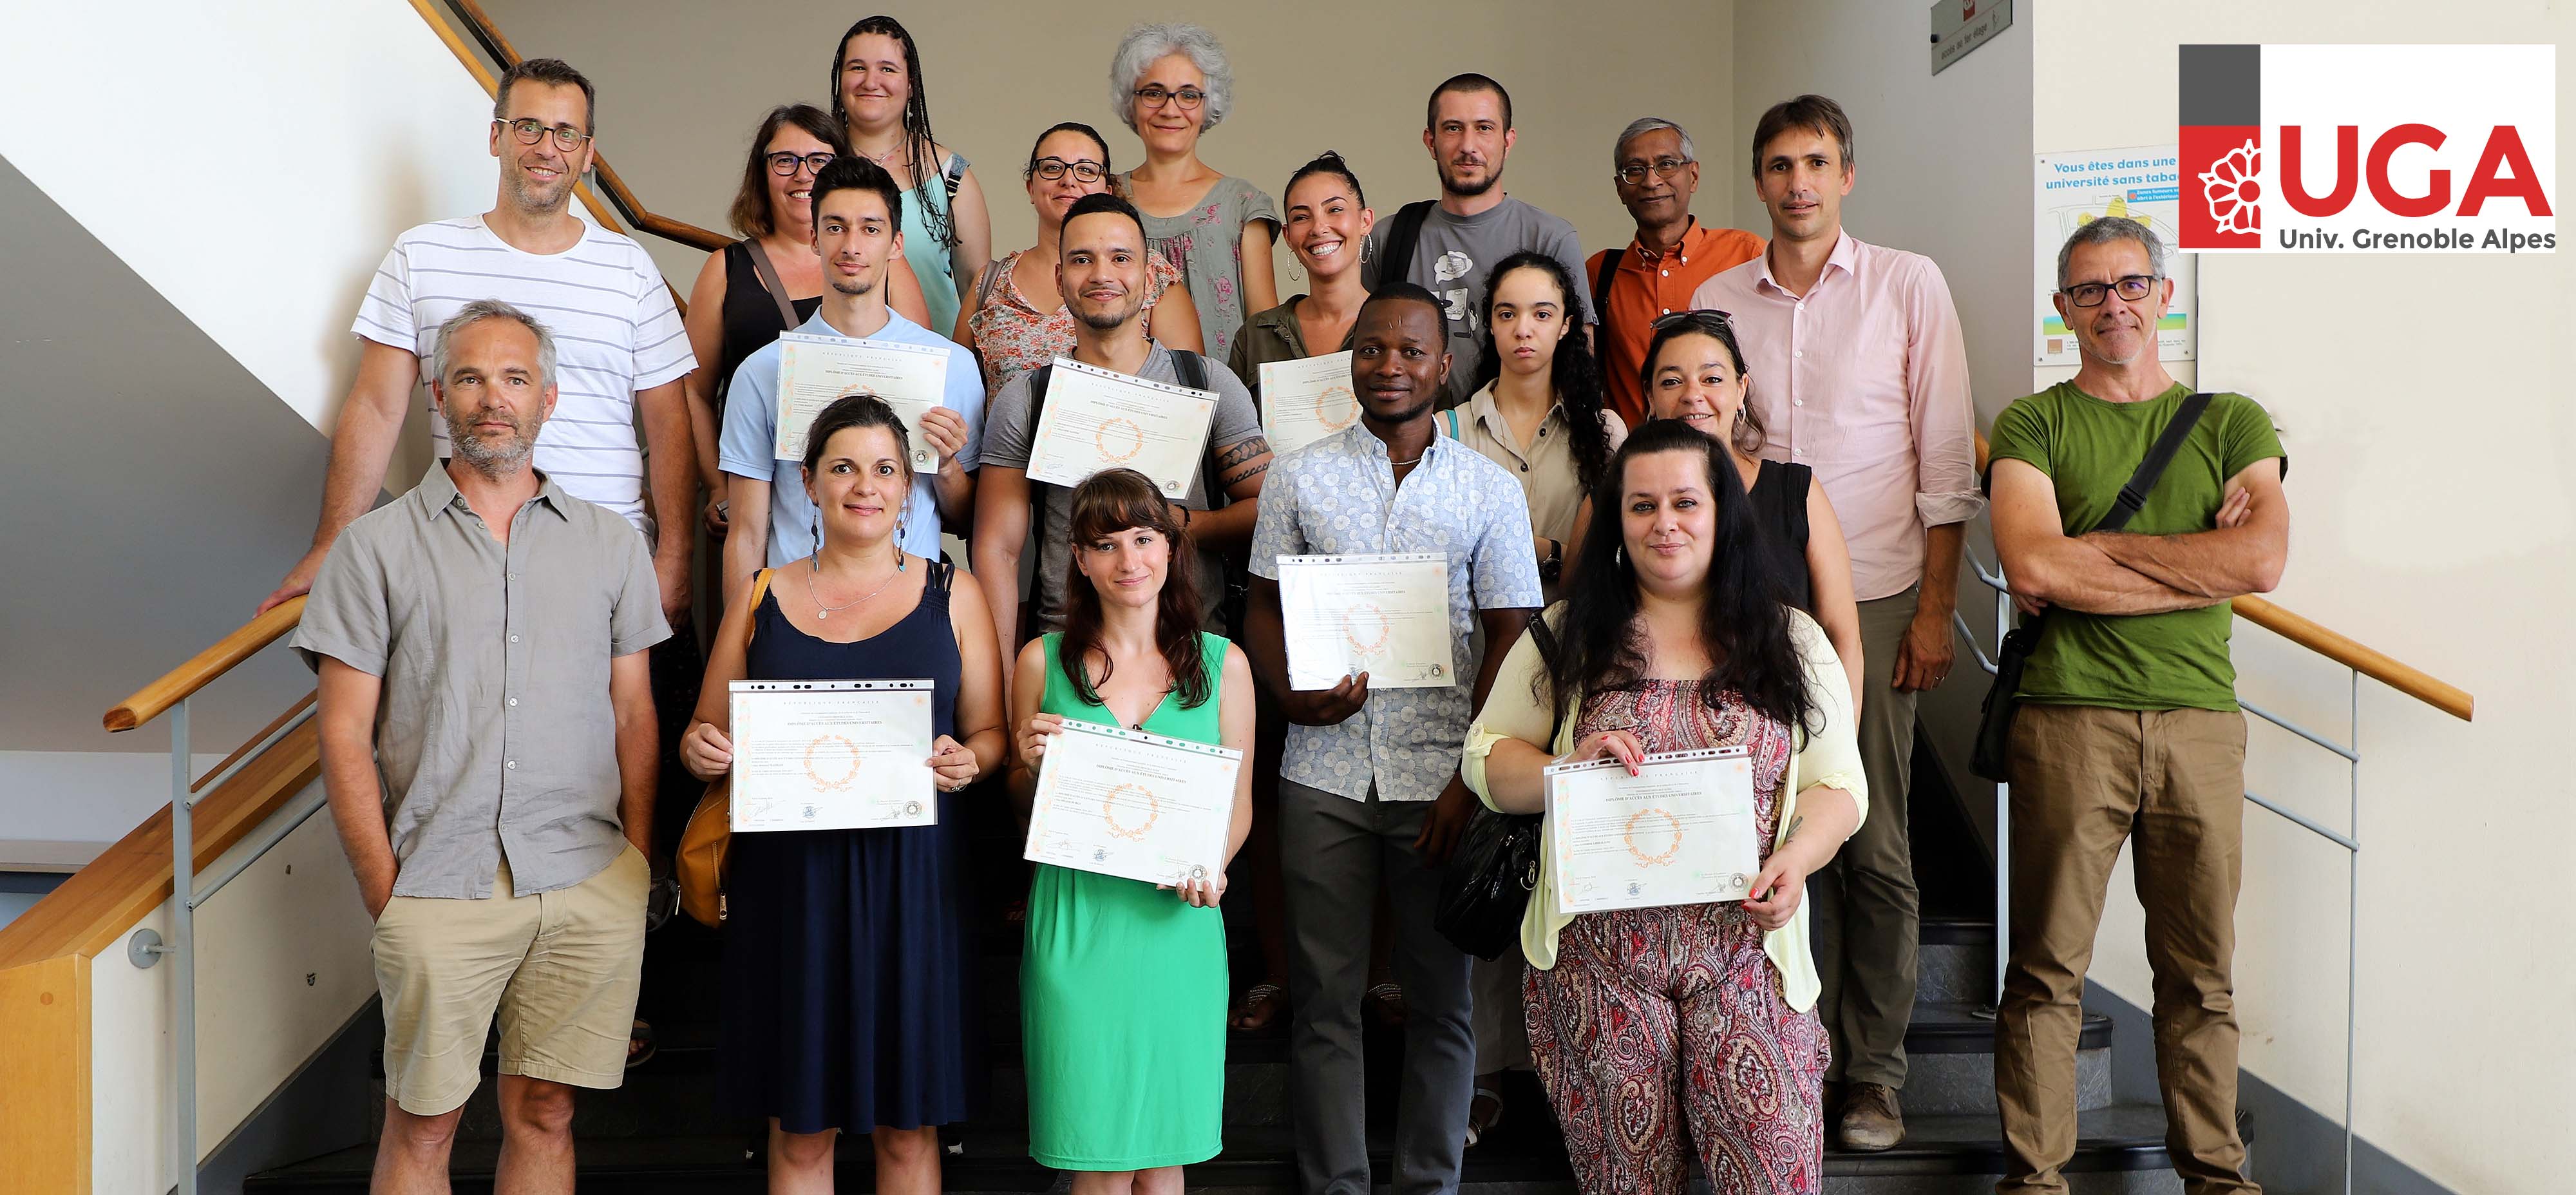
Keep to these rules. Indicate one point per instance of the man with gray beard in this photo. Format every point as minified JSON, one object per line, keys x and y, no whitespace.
{"x":488,"y":746}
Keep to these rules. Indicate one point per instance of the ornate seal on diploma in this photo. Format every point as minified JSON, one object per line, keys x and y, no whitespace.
{"x":1132,"y":794}
{"x":830,"y":750}
{"x":1646,"y":820}
{"x":1366,"y":627}
{"x":1337,"y":408}
{"x":1119,"y":440}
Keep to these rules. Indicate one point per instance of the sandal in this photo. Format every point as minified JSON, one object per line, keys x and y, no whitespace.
{"x":639,"y":1044}
{"x":1260,"y":1008}
{"x":1387,"y":1000}
{"x":1484,"y":1111}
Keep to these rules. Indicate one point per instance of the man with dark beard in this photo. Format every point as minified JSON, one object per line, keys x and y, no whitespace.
{"x":1450,"y":246}
{"x":1369,"y":789}
{"x":486,"y":715}
{"x":1101,"y":271}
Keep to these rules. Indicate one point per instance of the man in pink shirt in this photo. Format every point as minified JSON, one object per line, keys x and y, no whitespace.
{"x":1854,"y":361}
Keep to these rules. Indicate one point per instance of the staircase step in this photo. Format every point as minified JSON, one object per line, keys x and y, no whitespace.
{"x":1955,"y":962}
{"x":1950,"y":1065}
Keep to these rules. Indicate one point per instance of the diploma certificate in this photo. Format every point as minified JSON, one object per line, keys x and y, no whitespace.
{"x":832,"y":755}
{"x":814,"y":370}
{"x":1305,"y":400}
{"x":1385,"y":615}
{"x":1679,"y":832}
{"x":1134,"y":805}
{"x":1096,"y":419}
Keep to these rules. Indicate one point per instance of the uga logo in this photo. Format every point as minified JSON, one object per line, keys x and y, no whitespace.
{"x":2369,"y":148}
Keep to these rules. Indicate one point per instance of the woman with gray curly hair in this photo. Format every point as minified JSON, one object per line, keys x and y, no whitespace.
{"x":1171,"y":83}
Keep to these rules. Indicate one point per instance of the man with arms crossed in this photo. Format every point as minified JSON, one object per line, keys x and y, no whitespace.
{"x":486,"y":715}
{"x":2128,"y":727}
{"x":1369,"y":789}
{"x":1449,"y":247}
{"x":1856,"y":364}
{"x":1101,"y":273}
{"x":857,"y":232}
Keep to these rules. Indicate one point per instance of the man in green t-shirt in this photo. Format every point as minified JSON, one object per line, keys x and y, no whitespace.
{"x":2128,"y":727}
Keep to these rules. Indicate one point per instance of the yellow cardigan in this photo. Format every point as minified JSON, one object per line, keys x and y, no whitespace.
{"x":1830,"y":759}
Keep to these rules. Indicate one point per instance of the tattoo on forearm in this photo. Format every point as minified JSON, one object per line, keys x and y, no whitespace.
{"x":1795,"y":821}
{"x":1256,"y":446}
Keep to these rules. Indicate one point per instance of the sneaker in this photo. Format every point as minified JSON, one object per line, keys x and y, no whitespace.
{"x":1871,"y":1120}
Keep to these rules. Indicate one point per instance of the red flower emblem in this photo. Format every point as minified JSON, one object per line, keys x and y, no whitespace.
{"x":2235,"y":198}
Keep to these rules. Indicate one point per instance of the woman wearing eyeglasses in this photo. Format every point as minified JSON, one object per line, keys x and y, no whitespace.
{"x":1694,"y":372}
{"x":1016,"y":321}
{"x":877,"y":96}
{"x":769,"y":281}
{"x":1170,"y":83}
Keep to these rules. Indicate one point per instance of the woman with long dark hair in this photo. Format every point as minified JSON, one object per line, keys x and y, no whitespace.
{"x":1537,"y":410}
{"x":847,"y":1006}
{"x":1674,"y":637}
{"x":1122,"y":984}
{"x":1694,"y":373}
{"x":879,"y":102}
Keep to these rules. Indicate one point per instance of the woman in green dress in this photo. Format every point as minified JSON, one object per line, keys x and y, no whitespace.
{"x":1123,"y":984}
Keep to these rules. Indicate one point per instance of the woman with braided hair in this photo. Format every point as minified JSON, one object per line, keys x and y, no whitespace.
{"x":878,"y":100}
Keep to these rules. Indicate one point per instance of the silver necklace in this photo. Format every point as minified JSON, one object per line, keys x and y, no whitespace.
{"x":826,"y":611}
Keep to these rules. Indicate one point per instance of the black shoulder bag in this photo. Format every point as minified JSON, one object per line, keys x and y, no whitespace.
{"x":1485,"y":890}
{"x":1994,"y":719}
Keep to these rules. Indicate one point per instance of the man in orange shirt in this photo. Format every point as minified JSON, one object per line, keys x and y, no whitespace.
{"x":1657,"y":171}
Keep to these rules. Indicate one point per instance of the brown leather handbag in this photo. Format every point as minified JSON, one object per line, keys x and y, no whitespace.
{"x":700,"y":861}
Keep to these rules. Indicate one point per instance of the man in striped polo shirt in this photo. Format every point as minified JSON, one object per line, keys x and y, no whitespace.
{"x":603,"y":299}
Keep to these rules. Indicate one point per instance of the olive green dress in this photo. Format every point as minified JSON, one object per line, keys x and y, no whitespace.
{"x":1122,"y":991}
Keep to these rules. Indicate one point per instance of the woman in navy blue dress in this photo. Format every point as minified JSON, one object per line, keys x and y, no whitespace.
{"x":846,"y":951}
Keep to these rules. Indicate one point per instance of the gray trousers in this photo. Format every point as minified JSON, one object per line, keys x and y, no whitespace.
{"x":1867,"y":909}
{"x":1335,"y":852}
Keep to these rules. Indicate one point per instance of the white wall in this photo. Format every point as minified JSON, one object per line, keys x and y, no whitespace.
{"x":284,"y":156}
{"x":2427,"y":416}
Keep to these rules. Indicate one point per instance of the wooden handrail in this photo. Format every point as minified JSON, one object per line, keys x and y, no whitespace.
{"x":175,"y":686}
{"x":499,"y":47}
{"x":2337,"y":646}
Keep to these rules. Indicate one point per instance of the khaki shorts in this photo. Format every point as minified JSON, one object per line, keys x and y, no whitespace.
{"x":561,"y":968}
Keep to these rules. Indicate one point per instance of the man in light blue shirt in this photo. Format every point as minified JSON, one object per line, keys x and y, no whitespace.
{"x":856,"y":209}
{"x":1369,"y":789}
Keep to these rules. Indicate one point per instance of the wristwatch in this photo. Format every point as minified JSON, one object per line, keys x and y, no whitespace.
{"x":1552,"y":567}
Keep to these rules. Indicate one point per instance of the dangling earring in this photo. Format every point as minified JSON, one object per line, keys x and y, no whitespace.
{"x":900,"y":561}
{"x":1619,"y":555}
{"x":816,"y":527}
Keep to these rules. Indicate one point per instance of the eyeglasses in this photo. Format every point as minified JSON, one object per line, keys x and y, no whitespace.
{"x":1709,"y":317}
{"x":529,"y":132}
{"x":2090,"y":294}
{"x":1156,"y":97}
{"x":786,"y":163}
{"x":1051,"y":169}
{"x":1635,"y":172}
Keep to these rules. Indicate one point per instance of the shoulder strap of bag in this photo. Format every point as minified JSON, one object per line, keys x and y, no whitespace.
{"x":1191,"y":370}
{"x":1401,"y":237}
{"x":1452,"y":416}
{"x":988,"y":281}
{"x":759,"y":590}
{"x":769,"y":281}
{"x":2143,"y":482}
{"x":953,"y":173}
{"x":1610,"y":259}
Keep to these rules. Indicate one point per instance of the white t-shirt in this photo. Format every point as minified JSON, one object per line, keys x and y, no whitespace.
{"x":616,"y":332}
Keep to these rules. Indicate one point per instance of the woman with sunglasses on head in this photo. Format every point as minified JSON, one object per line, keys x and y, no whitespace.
{"x":1016,"y":319}
{"x":878,"y":100}
{"x":1694,"y":372}
{"x":1695,"y":1022}
{"x":1171,"y":83}
{"x":768,"y":282}
{"x":1122,"y":983}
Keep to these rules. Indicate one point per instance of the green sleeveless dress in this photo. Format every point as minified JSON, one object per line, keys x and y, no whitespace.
{"x":1122,"y":992}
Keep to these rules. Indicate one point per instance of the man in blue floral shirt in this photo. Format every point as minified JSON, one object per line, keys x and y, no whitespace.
{"x":1369,"y":789}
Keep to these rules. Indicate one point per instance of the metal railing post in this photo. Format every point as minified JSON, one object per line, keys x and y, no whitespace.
{"x":183,"y":952}
{"x":2352,"y":928}
{"x":2003,"y":823}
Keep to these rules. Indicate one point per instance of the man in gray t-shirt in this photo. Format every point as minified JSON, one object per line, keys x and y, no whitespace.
{"x":1101,"y":273}
{"x":1474,"y":225}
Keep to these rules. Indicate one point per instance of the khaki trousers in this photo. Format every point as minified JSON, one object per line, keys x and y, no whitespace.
{"x":1867,"y":909}
{"x":2172,"y":784}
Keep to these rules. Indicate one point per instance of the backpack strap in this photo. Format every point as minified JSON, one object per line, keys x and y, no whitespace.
{"x":1402,"y":234}
{"x":1610,"y":259}
{"x":1451,"y":415}
{"x":1191,"y":370}
{"x":954,"y":175}
{"x":769,"y":282}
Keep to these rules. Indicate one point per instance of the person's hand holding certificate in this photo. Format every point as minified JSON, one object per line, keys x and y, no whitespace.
{"x":1095,"y":419}
{"x":1679,"y":831}
{"x":1386,"y":615}
{"x":1134,"y":805}
{"x":832,"y":755}
{"x":814,"y":370}
{"x":1305,"y":400}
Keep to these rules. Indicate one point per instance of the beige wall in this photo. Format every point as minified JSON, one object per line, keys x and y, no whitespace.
{"x":2425,"y":406}
{"x":684,"y":84}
